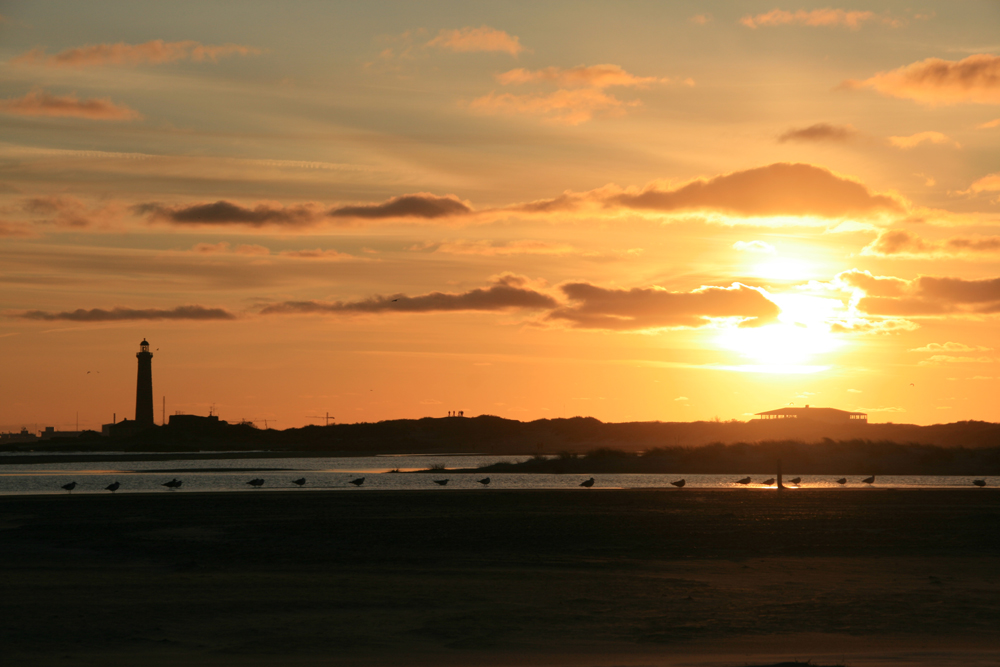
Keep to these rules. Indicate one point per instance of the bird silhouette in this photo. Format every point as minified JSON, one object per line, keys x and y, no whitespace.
{"x":441,"y":482}
{"x":768,"y":482}
{"x":679,"y":483}
{"x":299,"y":482}
{"x":588,"y":483}
{"x":869,"y":480}
{"x":173,"y":484}
{"x":112,"y":487}
{"x":744,"y":481}
{"x":842,"y":481}
{"x":358,"y":482}
{"x":69,"y":487}
{"x":979,"y":482}
{"x":795,"y":481}
{"x":256,"y":482}
{"x":485,"y":481}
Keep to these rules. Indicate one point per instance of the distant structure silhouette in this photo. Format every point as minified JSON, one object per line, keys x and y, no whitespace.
{"x":112,"y":487}
{"x":744,"y":481}
{"x":979,"y":482}
{"x":825,"y":415}
{"x":869,"y":480}
{"x":842,"y":481}
{"x":588,"y":483}
{"x":69,"y":487}
{"x":299,"y":482}
{"x":173,"y":484}
{"x":358,"y":482}
{"x":679,"y":483}
{"x":485,"y":481}
{"x":144,"y":387}
{"x":441,"y":482}
{"x":256,"y":482}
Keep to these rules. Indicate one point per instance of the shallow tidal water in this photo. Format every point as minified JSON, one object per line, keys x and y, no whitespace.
{"x":383,"y":472}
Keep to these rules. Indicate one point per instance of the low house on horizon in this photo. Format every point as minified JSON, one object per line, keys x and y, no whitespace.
{"x":822,"y":415}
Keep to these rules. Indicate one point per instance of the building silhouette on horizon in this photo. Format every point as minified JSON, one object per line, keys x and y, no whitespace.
{"x":824,"y":415}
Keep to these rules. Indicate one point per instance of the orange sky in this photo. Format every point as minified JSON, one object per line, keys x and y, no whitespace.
{"x":633,"y":211}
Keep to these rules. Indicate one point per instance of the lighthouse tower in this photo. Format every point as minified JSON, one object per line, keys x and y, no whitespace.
{"x":144,"y":387}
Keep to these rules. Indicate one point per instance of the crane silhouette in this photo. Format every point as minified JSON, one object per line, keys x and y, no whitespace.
{"x":326,"y":417}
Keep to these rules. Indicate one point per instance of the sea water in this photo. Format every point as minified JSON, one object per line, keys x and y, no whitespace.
{"x":386,"y":473}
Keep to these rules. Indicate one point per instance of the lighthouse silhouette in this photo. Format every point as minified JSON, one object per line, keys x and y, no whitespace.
{"x":144,"y":387}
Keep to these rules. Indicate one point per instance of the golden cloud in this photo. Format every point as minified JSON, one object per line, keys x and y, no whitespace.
{"x":933,"y":81}
{"x":484,"y":38}
{"x":156,"y":51}
{"x":40,"y":103}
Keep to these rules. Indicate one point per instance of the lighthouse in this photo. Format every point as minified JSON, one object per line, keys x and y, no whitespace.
{"x":144,"y":387}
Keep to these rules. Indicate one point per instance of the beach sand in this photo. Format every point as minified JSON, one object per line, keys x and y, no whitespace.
{"x":496,"y":577}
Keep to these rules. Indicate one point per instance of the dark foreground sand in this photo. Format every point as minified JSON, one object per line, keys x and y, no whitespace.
{"x":497,"y":577}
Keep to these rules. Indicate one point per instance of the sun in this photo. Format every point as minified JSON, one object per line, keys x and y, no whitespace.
{"x":793,"y":344}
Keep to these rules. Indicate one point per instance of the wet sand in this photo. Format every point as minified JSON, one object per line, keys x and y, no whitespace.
{"x":497,"y":577}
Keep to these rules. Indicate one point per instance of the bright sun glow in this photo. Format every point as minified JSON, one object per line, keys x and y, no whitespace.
{"x":801,"y":334}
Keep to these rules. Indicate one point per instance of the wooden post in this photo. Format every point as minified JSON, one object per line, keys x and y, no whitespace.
{"x":780,"y":485}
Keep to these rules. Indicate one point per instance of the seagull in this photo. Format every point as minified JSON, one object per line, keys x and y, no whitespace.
{"x":485,"y":481}
{"x":744,"y":481}
{"x":589,"y":483}
{"x":979,"y":482}
{"x":173,"y":484}
{"x":256,"y":483}
{"x":842,"y":480}
{"x":358,"y":482}
{"x":869,"y":480}
{"x":395,"y":300}
{"x":768,"y":482}
{"x":441,"y":482}
{"x":795,"y":481}
{"x":112,"y":487}
{"x":679,"y":483}
{"x":69,"y":487}
{"x":299,"y":482}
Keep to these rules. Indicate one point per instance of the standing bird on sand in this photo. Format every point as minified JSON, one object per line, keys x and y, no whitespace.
{"x":869,"y":480}
{"x":979,"y":482}
{"x":485,"y":481}
{"x":112,"y":487}
{"x":173,"y":484}
{"x":256,"y":483}
{"x":299,"y":482}
{"x":358,"y":482}
{"x":679,"y":483}
{"x":69,"y":487}
{"x":768,"y":482}
{"x":842,"y":481}
{"x":744,"y":481}
{"x":795,"y":481}
{"x":441,"y":482}
{"x":588,"y":483}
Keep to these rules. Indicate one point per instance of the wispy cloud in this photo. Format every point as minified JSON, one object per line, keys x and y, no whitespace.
{"x":483,"y":38}
{"x":580,"y":95}
{"x":819,"y":132}
{"x":755,"y":247}
{"x":420,"y":205}
{"x":780,"y":189}
{"x":915,"y":140}
{"x":124,"y":314}
{"x":595,"y":76}
{"x":637,"y":309}
{"x":902,"y":243}
{"x":933,"y":81}
{"x":154,"y":52}
{"x":826,"y":17}
{"x":922,"y":296}
{"x":506,"y":293}
{"x":41,"y":103}
{"x":227,"y":213}
{"x":950,"y":347}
